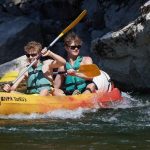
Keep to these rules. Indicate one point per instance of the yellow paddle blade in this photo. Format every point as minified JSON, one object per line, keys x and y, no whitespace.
{"x":10,"y":76}
{"x":90,"y":70}
{"x":74,"y":23}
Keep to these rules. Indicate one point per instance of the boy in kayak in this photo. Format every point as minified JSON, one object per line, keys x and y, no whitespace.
{"x":40,"y":76}
{"x":74,"y":83}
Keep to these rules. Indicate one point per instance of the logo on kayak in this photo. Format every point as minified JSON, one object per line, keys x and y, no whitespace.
{"x":21,"y":99}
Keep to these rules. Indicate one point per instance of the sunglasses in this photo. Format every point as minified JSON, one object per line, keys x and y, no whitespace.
{"x":75,"y":46}
{"x":33,"y":55}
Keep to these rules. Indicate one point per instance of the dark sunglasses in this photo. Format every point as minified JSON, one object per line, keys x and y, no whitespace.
{"x":33,"y":55}
{"x":76,"y":46}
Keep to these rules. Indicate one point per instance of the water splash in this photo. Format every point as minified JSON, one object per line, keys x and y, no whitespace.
{"x":130,"y":101}
{"x":57,"y":114}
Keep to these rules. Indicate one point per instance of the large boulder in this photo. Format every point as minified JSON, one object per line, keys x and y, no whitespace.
{"x":124,"y":54}
{"x":14,"y":34}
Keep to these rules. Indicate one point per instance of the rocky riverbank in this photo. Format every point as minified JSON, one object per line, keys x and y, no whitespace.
{"x":116,"y":33}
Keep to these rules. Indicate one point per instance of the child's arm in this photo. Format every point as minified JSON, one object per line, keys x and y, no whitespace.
{"x":9,"y":88}
{"x":58,"y":60}
{"x":59,"y":79}
{"x":72,"y":72}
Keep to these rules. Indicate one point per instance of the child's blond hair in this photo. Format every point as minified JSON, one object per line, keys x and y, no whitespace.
{"x":33,"y":47}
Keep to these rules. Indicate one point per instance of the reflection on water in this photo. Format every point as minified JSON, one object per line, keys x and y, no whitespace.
{"x":126,"y":126}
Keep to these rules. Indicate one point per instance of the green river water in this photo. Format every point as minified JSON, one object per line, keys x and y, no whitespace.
{"x":124,"y":127}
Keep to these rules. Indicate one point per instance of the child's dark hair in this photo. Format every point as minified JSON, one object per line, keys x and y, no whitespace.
{"x":71,"y":36}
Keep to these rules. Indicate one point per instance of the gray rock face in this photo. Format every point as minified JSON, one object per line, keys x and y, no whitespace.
{"x":14,"y":35}
{"x":126,"y":53}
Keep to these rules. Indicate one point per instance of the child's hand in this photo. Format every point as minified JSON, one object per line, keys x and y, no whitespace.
{"x":45,"y":52}
{"x":71,"y":72}
{"x":7,"y":88}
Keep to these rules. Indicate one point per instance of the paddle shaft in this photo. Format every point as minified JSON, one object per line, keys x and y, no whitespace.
{"x":68,"y":28}
{"x":89,"y":70}
{"x":73,"y":24}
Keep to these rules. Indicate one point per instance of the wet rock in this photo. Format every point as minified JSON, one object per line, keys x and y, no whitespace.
{"x":125,"y":53}
{"x":14,"y":35}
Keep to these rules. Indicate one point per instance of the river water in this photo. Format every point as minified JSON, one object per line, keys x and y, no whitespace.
{"x":125,"y":126}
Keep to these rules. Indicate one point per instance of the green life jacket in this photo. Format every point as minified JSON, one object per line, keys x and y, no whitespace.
{"x":36,"y":80}
{"x":73,"y":82}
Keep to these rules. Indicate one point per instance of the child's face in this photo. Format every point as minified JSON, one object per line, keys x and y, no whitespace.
{"x":73,"y":48}
{"x":31,"y":56}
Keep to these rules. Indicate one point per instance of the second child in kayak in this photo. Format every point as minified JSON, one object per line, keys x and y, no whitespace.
{"x":39,"y":77}
{"x":74,"y":82}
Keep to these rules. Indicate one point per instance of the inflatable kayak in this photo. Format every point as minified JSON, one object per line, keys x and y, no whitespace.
{"x":13,"y":103}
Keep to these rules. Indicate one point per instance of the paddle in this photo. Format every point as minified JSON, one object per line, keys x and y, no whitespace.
{"x":9,"y":76}
{"x":90,"y":70}
{"x":73,"y":24}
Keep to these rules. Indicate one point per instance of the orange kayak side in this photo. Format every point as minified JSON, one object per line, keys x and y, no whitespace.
{"x":12,"y":103}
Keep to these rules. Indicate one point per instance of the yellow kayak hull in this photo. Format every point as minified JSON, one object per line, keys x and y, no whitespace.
{"x":13,"y":103}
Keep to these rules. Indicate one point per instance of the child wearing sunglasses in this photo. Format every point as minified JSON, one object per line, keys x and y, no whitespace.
{"x":39,"y":77}
{"x":73,"y":82}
